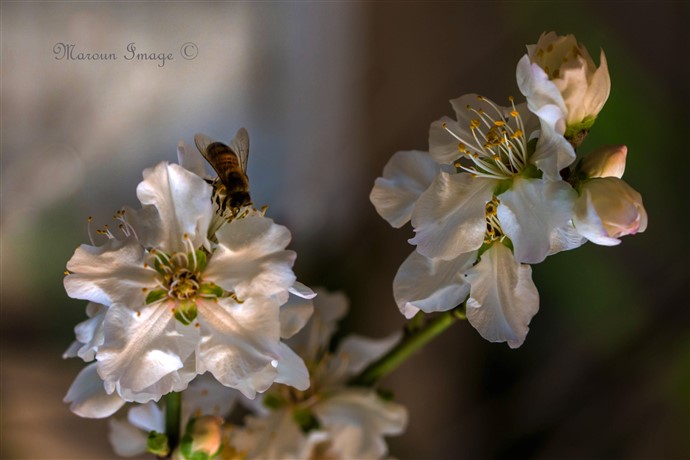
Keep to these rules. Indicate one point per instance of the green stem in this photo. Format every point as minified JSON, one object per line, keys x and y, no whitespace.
{"x":173,"y":413}
{"x":407,"y":346}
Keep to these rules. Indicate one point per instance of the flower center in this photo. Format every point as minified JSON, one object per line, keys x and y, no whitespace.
{"x":180,"y":280}
{"x":497,"y":148}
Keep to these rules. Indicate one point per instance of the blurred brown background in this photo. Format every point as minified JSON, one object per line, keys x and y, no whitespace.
{"x":328,"y":92}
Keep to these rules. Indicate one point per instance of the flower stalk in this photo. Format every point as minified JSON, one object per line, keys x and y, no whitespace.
{"x":412,"y":342}
{"x":173,"y":415}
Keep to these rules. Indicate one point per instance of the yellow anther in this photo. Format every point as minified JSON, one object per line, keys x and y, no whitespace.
{"x":499,"y":123}
{"x":511,"y":99}
{"x":457,"y":164}
{"x":496,"y":157}
{"x":516,"y":135}
{"x":474,"y":124}
{"x":514,"y":113}
{"x":89,"y":219}
{"x":66,"y":272}
{"x":540,"y":52}
{"x":185,"y":236}
{"x":462,"y":147}
{"x":444,"y":125}
{"x":481,"y":98}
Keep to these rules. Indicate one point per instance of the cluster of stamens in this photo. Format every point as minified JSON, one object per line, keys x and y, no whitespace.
{"x":493,"y":226}
{"x":497,"y":149}
{"x":124,"y":226}
{"x":181,"y":280}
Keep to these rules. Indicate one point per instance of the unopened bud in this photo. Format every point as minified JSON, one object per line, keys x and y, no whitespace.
{"x":606,"y":161}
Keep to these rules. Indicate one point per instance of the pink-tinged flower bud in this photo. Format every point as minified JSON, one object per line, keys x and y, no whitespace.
{"x":203,"y":438}
{"x":606,"y":161}
{"x":607,"y":209}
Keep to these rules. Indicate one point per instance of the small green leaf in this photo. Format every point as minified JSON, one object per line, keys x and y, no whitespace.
{"x":157,"y":444}
{"x":155,"y":296}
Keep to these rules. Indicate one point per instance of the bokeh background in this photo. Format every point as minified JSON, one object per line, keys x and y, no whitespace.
{"x":328,"y":92}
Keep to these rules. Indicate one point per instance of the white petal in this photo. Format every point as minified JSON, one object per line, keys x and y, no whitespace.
{"x":535,"y":85}
{"x":405,"y":176}
{"x":357,"y":420}
{"x":251,"y":258}
{"x":207,"y":396}
{"x":532,"y":212}
{"x":90,"y":332}
{"x":191,"y":160}
{"x":291,"y":369}
{"x":565,"y":238}
{"x":355,"y":353}
{"x":110,"y":273}
{"x":443,"y":147}
{"x":329,"y":308}
{"x":142,"y":347}
{"x":553,"y":152}
{"x":148,"y":417}
{"x":239,"y":343}
{"x":125,"y":439}
{"x":431,"y":285}
{"x":300,"y":290}
{"x":294,"y":315}
{"x":183,"y":200}
{"x":599,"y":88}
{"x":87,"y":396}
{"x":275,"y":436}
{"x":449,"y":218}
{"x":503,"y":299}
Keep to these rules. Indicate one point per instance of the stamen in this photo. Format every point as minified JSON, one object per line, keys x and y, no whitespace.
{"x":88,"y":229}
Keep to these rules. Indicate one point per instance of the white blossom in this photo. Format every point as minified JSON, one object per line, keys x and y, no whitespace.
{"x":330,"y":419}
{"x":179,"y":304}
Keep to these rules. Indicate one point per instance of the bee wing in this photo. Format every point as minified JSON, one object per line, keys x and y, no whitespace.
{"x":202,"y":142}
{"x":240,"y":145}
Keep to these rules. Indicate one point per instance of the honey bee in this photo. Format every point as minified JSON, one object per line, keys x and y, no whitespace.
{"x":231,"y":188}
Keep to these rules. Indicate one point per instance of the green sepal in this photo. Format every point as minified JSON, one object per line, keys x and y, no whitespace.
{"x":503,"y":186}
{"x":585,"y":125}
{"x":155,"y":296}
{"x":201,"y":261}
{"x":532,"y":147}
{"x":508,"y":243}
{"x":306,"y":420}
{"x":273,"y":401}
{"x":210,"y":290}
{"x":531,"y":172}
{"x":157,"y":444}
{"x":158,"y":263}
{"x":186,"y":312}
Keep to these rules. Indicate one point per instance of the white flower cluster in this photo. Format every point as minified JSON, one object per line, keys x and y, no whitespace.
{"x":189,"y":295}
{"x":329,"y":420}
{"x":502,"y":188}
